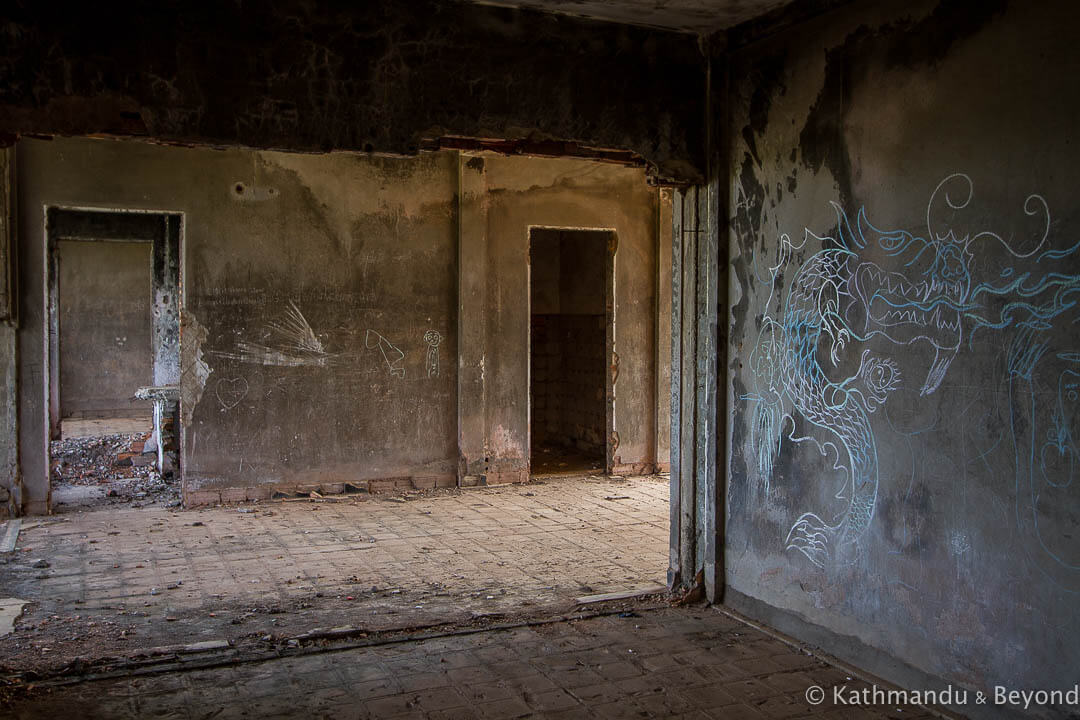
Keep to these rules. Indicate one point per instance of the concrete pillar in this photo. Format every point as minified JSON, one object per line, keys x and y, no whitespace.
{"x":10,"y":489}
{"x":696,"y":291}
{"x":663,"y":331}
{"x":472,"y":318}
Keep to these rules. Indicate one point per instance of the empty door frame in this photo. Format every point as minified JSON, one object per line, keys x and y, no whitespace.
{"x":164,"y":230}
{"x":609,"y":338}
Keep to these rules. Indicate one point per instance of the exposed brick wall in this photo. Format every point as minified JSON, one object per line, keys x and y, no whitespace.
{"x":568,"y":381}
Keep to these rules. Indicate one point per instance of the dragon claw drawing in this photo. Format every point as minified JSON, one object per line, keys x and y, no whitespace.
{"x":810,"y":536}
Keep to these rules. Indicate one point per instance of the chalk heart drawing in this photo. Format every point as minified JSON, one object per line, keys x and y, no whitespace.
{"x":930,"y":296}
{"x":230,"y":391}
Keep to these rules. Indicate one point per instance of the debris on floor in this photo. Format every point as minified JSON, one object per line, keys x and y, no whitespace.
{"x":108,"y":470}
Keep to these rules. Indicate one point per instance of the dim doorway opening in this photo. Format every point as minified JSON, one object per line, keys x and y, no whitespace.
{"x":113,"y":356}
{"x":571,"y":273}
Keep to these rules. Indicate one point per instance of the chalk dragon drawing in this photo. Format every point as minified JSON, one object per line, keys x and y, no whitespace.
{"x":839,"y":296}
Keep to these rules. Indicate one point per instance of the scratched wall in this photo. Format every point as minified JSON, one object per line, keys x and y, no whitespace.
{"x":329,"y":324}
{"x":905,"y":362}
{"x":318,"y":326}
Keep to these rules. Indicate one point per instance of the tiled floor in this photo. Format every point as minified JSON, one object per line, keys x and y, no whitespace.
{"x":666,"y":663}
{"x":133,"y":578}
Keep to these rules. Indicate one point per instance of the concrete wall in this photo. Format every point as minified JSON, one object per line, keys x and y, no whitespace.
{"x":904,"y":360}
{"x":319,"y":337}
{"x":105,"y":347}
{"x":503,"y":197}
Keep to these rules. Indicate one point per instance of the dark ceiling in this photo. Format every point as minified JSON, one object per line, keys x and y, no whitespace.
{"x":696,"y":16}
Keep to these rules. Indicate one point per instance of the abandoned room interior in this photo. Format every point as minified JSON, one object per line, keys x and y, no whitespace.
{"x":523,"y":358}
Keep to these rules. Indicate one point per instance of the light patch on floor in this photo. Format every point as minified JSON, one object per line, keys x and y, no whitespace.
{"x":11,"y":535}
{"x":97,"y":427}
{"x":123,"y":579}
{"x":10,"y":610}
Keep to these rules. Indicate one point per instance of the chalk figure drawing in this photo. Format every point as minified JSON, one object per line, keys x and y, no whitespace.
{"x":231,"y":391}
{"x":390,"y":354}
{"x":839,"y":297}
{"x":432,"y":338}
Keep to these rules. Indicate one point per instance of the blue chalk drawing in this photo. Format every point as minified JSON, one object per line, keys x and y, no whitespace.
{"x":840,"y":296}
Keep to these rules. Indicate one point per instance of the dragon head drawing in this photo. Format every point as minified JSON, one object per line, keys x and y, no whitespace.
{"x":925,"y":303}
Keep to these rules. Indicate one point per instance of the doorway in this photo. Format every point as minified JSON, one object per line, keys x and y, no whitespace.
{"x":113,"y":337}
{"x":571,"y":333}
{"x":103,"y":291}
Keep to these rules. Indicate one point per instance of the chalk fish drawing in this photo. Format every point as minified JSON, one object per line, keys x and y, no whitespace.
{"x":432,"y":338}
{"x":290,"y":343}
{"x":839,"y":296}
{"x":390,"y":354}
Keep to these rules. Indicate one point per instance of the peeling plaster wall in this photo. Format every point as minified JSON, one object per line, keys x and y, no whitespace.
{"x":319,"y":323}
{"x":904,"y":382}
{"x":334,"y":75}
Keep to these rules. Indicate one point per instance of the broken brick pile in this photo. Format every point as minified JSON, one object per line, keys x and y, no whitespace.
{"x":89,"y":460}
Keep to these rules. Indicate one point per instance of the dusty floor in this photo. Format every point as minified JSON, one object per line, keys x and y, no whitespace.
{"x":639,"y":663}
{"x":113,"y":581}
{"x":558,"y":460}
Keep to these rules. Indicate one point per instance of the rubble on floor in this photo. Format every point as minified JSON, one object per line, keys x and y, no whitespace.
{"x":108,"y":470}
